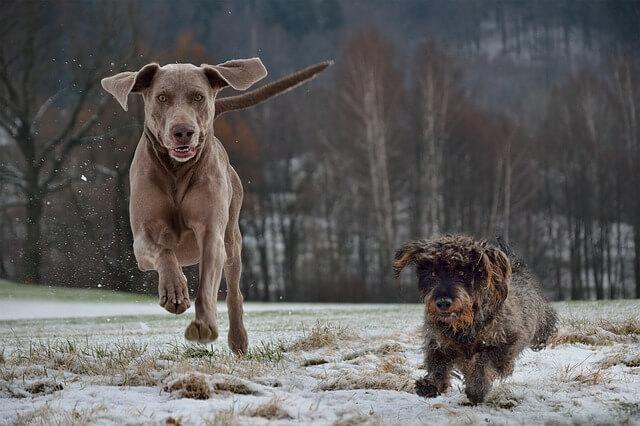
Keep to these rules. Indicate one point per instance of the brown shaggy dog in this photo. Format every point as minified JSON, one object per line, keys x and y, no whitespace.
{"x":480,"y":312}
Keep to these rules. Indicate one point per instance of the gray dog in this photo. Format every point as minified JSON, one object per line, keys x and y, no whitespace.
{"x":481,"y":311}
{"x":185,"y":196}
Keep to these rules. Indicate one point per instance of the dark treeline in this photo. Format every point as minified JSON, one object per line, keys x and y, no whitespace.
{"x":519,"y":119}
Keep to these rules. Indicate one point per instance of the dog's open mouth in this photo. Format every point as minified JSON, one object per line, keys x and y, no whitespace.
{"x":183,"y":151}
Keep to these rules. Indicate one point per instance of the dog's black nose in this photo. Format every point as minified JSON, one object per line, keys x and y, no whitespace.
{"x":443,"y":303}
{"x":182,"y":133}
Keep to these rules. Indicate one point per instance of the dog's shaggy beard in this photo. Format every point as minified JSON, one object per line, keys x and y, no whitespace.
{"x":460,"y":317}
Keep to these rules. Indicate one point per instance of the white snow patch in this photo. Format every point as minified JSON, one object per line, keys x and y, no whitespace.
{"x":567,"y":384}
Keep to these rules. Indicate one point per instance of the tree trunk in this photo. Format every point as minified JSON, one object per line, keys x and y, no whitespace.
{"x":33,"y":245}
{"x":377,"y":155}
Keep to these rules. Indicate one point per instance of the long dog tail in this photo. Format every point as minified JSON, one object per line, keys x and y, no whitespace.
{"x":269,"y":90}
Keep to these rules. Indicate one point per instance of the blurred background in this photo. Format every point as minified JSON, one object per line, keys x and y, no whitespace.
{"x":519,"y":119}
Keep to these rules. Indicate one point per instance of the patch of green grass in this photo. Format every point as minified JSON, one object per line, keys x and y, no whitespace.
{"x":122,"y":362}
{"x":123,"y":321}
{"x":187,"y":350}
{"x":266,"y":352}
{"x":10,"y":290}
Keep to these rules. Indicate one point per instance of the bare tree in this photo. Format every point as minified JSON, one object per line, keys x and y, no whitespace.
{"x":436,"y":89}
{"x":46,"y":131}
{"x":370,"y":85}
{"x":626,"y":83}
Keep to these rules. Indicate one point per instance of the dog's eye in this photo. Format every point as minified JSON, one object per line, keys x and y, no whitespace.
{"x":432,"y":274}
{"x":162,"y":98}
{"x":461,"y":273}
{"x":198,"y":98}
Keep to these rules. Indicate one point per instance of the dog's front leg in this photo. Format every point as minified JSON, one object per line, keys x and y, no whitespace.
{"x":204,"y":328}
{"x":439,"y":363}
{"x":153,"y":248}
{"x":479,"y":376}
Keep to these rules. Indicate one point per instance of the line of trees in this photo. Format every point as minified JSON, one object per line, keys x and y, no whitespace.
{"x":394,"y":143}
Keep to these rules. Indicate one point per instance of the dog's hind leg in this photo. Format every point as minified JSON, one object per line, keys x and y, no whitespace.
{"x":546,"y":329}
{"x":237,"y":338}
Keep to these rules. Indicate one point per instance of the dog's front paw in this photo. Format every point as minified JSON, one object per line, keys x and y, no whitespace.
{"x":201,"y":331}
{"x":173,"y":291}
{"x":426,"y":389}
{"x":475,"y":396}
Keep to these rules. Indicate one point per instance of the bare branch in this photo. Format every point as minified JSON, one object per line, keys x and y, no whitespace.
{"x":45,"y":106}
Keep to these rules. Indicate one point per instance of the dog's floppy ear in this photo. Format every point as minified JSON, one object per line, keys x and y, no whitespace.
{"x":120,"y":85}
{"x":498,"y":270}
{"x":238,"y":73}
{"x":406,"y":255}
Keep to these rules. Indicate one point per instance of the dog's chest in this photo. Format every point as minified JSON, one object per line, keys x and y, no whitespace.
{"x":469,"y":342}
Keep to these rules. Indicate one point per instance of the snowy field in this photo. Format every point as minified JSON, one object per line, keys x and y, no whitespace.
{"x":74,"y":360}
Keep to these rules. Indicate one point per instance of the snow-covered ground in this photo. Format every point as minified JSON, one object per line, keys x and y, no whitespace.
{"x":125,"y":362}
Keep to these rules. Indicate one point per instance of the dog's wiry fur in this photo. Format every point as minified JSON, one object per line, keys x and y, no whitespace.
{"x":480,"y":314}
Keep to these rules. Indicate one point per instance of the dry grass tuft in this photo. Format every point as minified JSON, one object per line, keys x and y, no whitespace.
{"x":629,"y":408}
{"x":351,"y":380}
{"x":22,"y":389}
{"x":503,"y":397}
{"x":629,"y":327}
{"x":43,"y":387}
{"x":628,"y":360}
{"x":359,"y":420}
{"x":193,"y":386}
{"x":394,"y":364}
{"x":314,"y":361}
{"x":572,"y":337}
{"x":385,"y":349}
{"x":48,"y":416}
{"x":271,"y":411}
{"x":223,"y":418}
{"x":320,"y":336}
{"x":572,"y":373}
{"x":599,"y":334}
{"x":236,"y":387}
{"x":389,"y":348}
